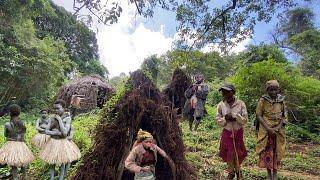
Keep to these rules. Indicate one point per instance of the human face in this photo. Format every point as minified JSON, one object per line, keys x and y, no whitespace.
{"x":199,"y":78}
{"x":227,"y":95}
{"x":273,"y":91}
{"x":147,"y":143}
{"x":58,"y":109}
{"x":44,"y":114}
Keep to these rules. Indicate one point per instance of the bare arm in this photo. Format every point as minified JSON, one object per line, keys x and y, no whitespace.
{"x":6,"y":129}
{"x":38,"y":126}
{"x":64,"y":127}
{"x":49,"y":127}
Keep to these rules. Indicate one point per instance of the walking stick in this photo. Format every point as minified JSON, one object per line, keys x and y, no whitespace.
{"x":235,"y":150}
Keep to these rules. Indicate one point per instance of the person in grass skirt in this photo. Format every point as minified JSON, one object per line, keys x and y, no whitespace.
{"x":15,"y":152}
{"x":59,"y":150}
{"x":40,"y":139}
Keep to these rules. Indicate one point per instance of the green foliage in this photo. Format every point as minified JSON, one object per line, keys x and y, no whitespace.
{"x":250,"y":81}
{"x":307,"y":44}
{"x":212,"y":65}
{"x":227,"y":23}
{"x":30,"y":63}
{"x":296,"y":21}
{"x":79,"y":40}
{"x":151,"y":65}
{"x":39,"y":44}
{"x":214,"y":96}
{"x":302,"y":93}
{"x":118,"y":81}
{"x":260,"y":53}
{"x":298,"y":134}
{"x":110,"y":104}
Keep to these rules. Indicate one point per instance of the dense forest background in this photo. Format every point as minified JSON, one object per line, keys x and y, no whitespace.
{"x":42,"y":47}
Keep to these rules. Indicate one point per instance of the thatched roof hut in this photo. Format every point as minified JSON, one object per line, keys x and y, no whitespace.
{"x":180,"y":82}
{"x":94,"y":88}
{"x":140,"y":106}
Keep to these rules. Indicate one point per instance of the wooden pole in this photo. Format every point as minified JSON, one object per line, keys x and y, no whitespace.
{"x":235,"y":150}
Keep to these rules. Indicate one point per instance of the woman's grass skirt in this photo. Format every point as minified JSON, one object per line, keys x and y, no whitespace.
{"x":60,"y":151}
{"x":39,"y":140}
{"x":15,"y":153}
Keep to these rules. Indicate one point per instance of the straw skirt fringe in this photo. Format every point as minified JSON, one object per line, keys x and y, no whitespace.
{"x":39,"y":140}
{"x":59,"y":151}
{"x":15,"y":153}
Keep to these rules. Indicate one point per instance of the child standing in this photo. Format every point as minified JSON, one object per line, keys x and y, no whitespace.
{"x":59,"y":150}
{"x":41,"y":138}
{"x":271,"y":140}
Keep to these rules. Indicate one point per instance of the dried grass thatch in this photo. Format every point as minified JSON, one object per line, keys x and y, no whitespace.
{"x":175,"y":90}
{"x":142,"y":106}
{"x":94,"y":88}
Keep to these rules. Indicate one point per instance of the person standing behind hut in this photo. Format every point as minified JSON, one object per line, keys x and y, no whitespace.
{"x":196,"y":99}
{"x":142,"y":158}
{"x":232,"y":116}
{"x":59,"y":150}
{"x":271,"y":139}
{"x":15,"y":152}
{"x":40,"y":139}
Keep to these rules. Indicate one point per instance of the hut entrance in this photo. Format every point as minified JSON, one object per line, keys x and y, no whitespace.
{"x":142,"y":106}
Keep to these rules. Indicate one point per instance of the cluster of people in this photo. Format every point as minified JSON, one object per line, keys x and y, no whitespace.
{"x":232,"y":116}
{"x":54,"y":140}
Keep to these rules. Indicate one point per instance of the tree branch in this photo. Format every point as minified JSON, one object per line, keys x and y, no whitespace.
{"x":208,"y":27}
{"x":139,"y":11}
{"x":78,"y":9}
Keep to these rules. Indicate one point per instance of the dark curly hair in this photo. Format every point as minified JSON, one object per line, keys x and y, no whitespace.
{"x":15,"y":110}
{"x":44,"y":110}
{"x":61,"y":102}
{"x":17,"y":123}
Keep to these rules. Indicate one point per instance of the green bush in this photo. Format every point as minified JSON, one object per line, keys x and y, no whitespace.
{"x":302,"y":93}
{"x":83,"y":126}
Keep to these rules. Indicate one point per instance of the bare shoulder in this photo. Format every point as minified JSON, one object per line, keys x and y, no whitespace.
{"x":7,"y":125}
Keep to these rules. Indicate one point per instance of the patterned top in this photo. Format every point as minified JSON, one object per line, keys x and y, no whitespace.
{"x":272,"y":111}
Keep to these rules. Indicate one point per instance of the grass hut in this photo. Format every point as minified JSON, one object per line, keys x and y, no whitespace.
{"x":140,"y":105}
